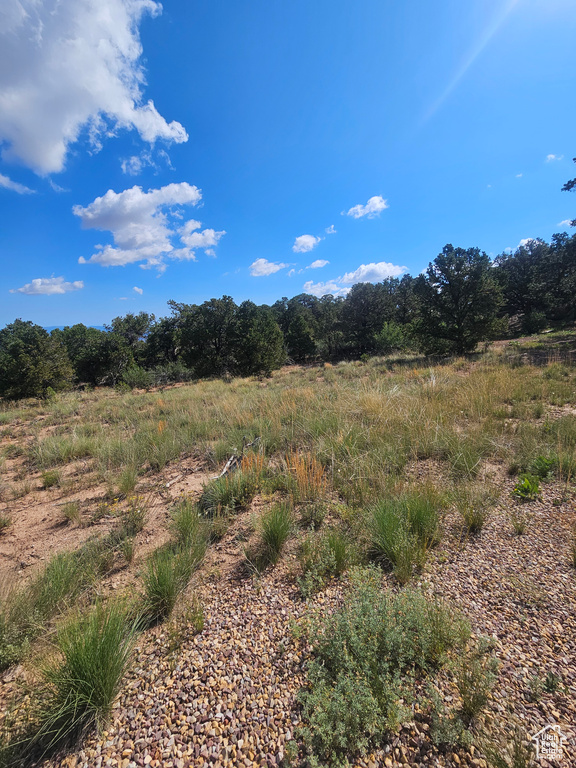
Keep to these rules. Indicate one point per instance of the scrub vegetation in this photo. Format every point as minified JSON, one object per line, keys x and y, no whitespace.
{"x":349,"y":483}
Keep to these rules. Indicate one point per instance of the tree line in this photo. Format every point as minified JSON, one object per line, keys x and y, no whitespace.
{"x":461,"y":299}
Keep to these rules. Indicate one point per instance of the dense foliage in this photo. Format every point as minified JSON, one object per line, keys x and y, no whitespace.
{"x":461,"y":299}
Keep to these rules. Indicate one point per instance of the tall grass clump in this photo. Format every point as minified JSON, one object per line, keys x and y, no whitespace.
{"x":230,"y":493}
{"x":25,"y":611}
{"x":274,"y":527}
{"x":187,"y":524}
{"x":473,"y":503}
{"x":403,"y":528}
{"x":310,"y":482}
{"x":166,"y":575}
{"x":92,"y":654}
{"x":134,"y":517}
{"x":367,"y":656}
{"x":325,"y":554}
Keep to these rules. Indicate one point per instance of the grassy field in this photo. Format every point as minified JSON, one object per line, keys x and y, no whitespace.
{"x":358,"y":472}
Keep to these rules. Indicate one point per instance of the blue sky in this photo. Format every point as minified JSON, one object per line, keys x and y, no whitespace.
{"x":270,"y":147}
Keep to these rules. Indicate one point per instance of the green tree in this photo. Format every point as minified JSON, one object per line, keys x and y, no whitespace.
{"x":208,"y":334}
{"x":559,"y":278}
{"x":521,"y":276}
{"x":259,"y":341}
{"x":459,"y":299}
{"x":330,"y":333}
{"x":31,"y":361}
{"x":299,"y":339}
{"x":366,"y":308}
{"x":84,"y":348}
{"x":163,"y":341}
{"x":133,"y":329}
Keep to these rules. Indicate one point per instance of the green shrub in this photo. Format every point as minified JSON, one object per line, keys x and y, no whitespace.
{"x":50,"y":478}
{"x":527,"y":488}
{"x":544,"y":467}
{"x":365,"y":657}
{"x":135,"y":377}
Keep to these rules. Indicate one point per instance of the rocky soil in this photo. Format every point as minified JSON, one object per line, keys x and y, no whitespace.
{"x":228,"y":695}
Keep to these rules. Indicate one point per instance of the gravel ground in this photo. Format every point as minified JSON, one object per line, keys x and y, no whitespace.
{"x":227,"y":696}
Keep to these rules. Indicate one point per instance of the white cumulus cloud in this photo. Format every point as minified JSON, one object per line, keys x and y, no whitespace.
{"x":551,"y":158}
{"x":146,"y":226}
{"x":524,"y":242}
{"x":305,"y":243}
{"x":48,"y":286}
{"x":14,"y":186}
{"x":366,"y":273}
{"x":263,"y":267}
{"x":72,"y":67}
{"x":331,"y":230}
{"x":373,"y":207}
{"x":138,"y":290}
{"x":318,"y":264}
{"x":192,"y":238}
{"x":372,"y":273}
{"x":321,"y":289}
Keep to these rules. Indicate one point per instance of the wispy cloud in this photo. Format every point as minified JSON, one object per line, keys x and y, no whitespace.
{"x":318,"y":264}
{"x":147,"y":226}
{"x":138,"y":290}
{"x":263,"y":267}
{"x":365,"y":273}
{"x":519,"y":175}
{"x":48,"y":286}
{"x":14,"y":186}
{"x":73,"y":66}
{"x":551,"y":158}
{"x":134,"y":165}
{"x":331,"y":230}
{"x":565,"y":223}
{"x":305,"y":243}
{"x":373,"y":208}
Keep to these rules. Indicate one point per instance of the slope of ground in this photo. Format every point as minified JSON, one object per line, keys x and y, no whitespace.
{"x":228,"y":695}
